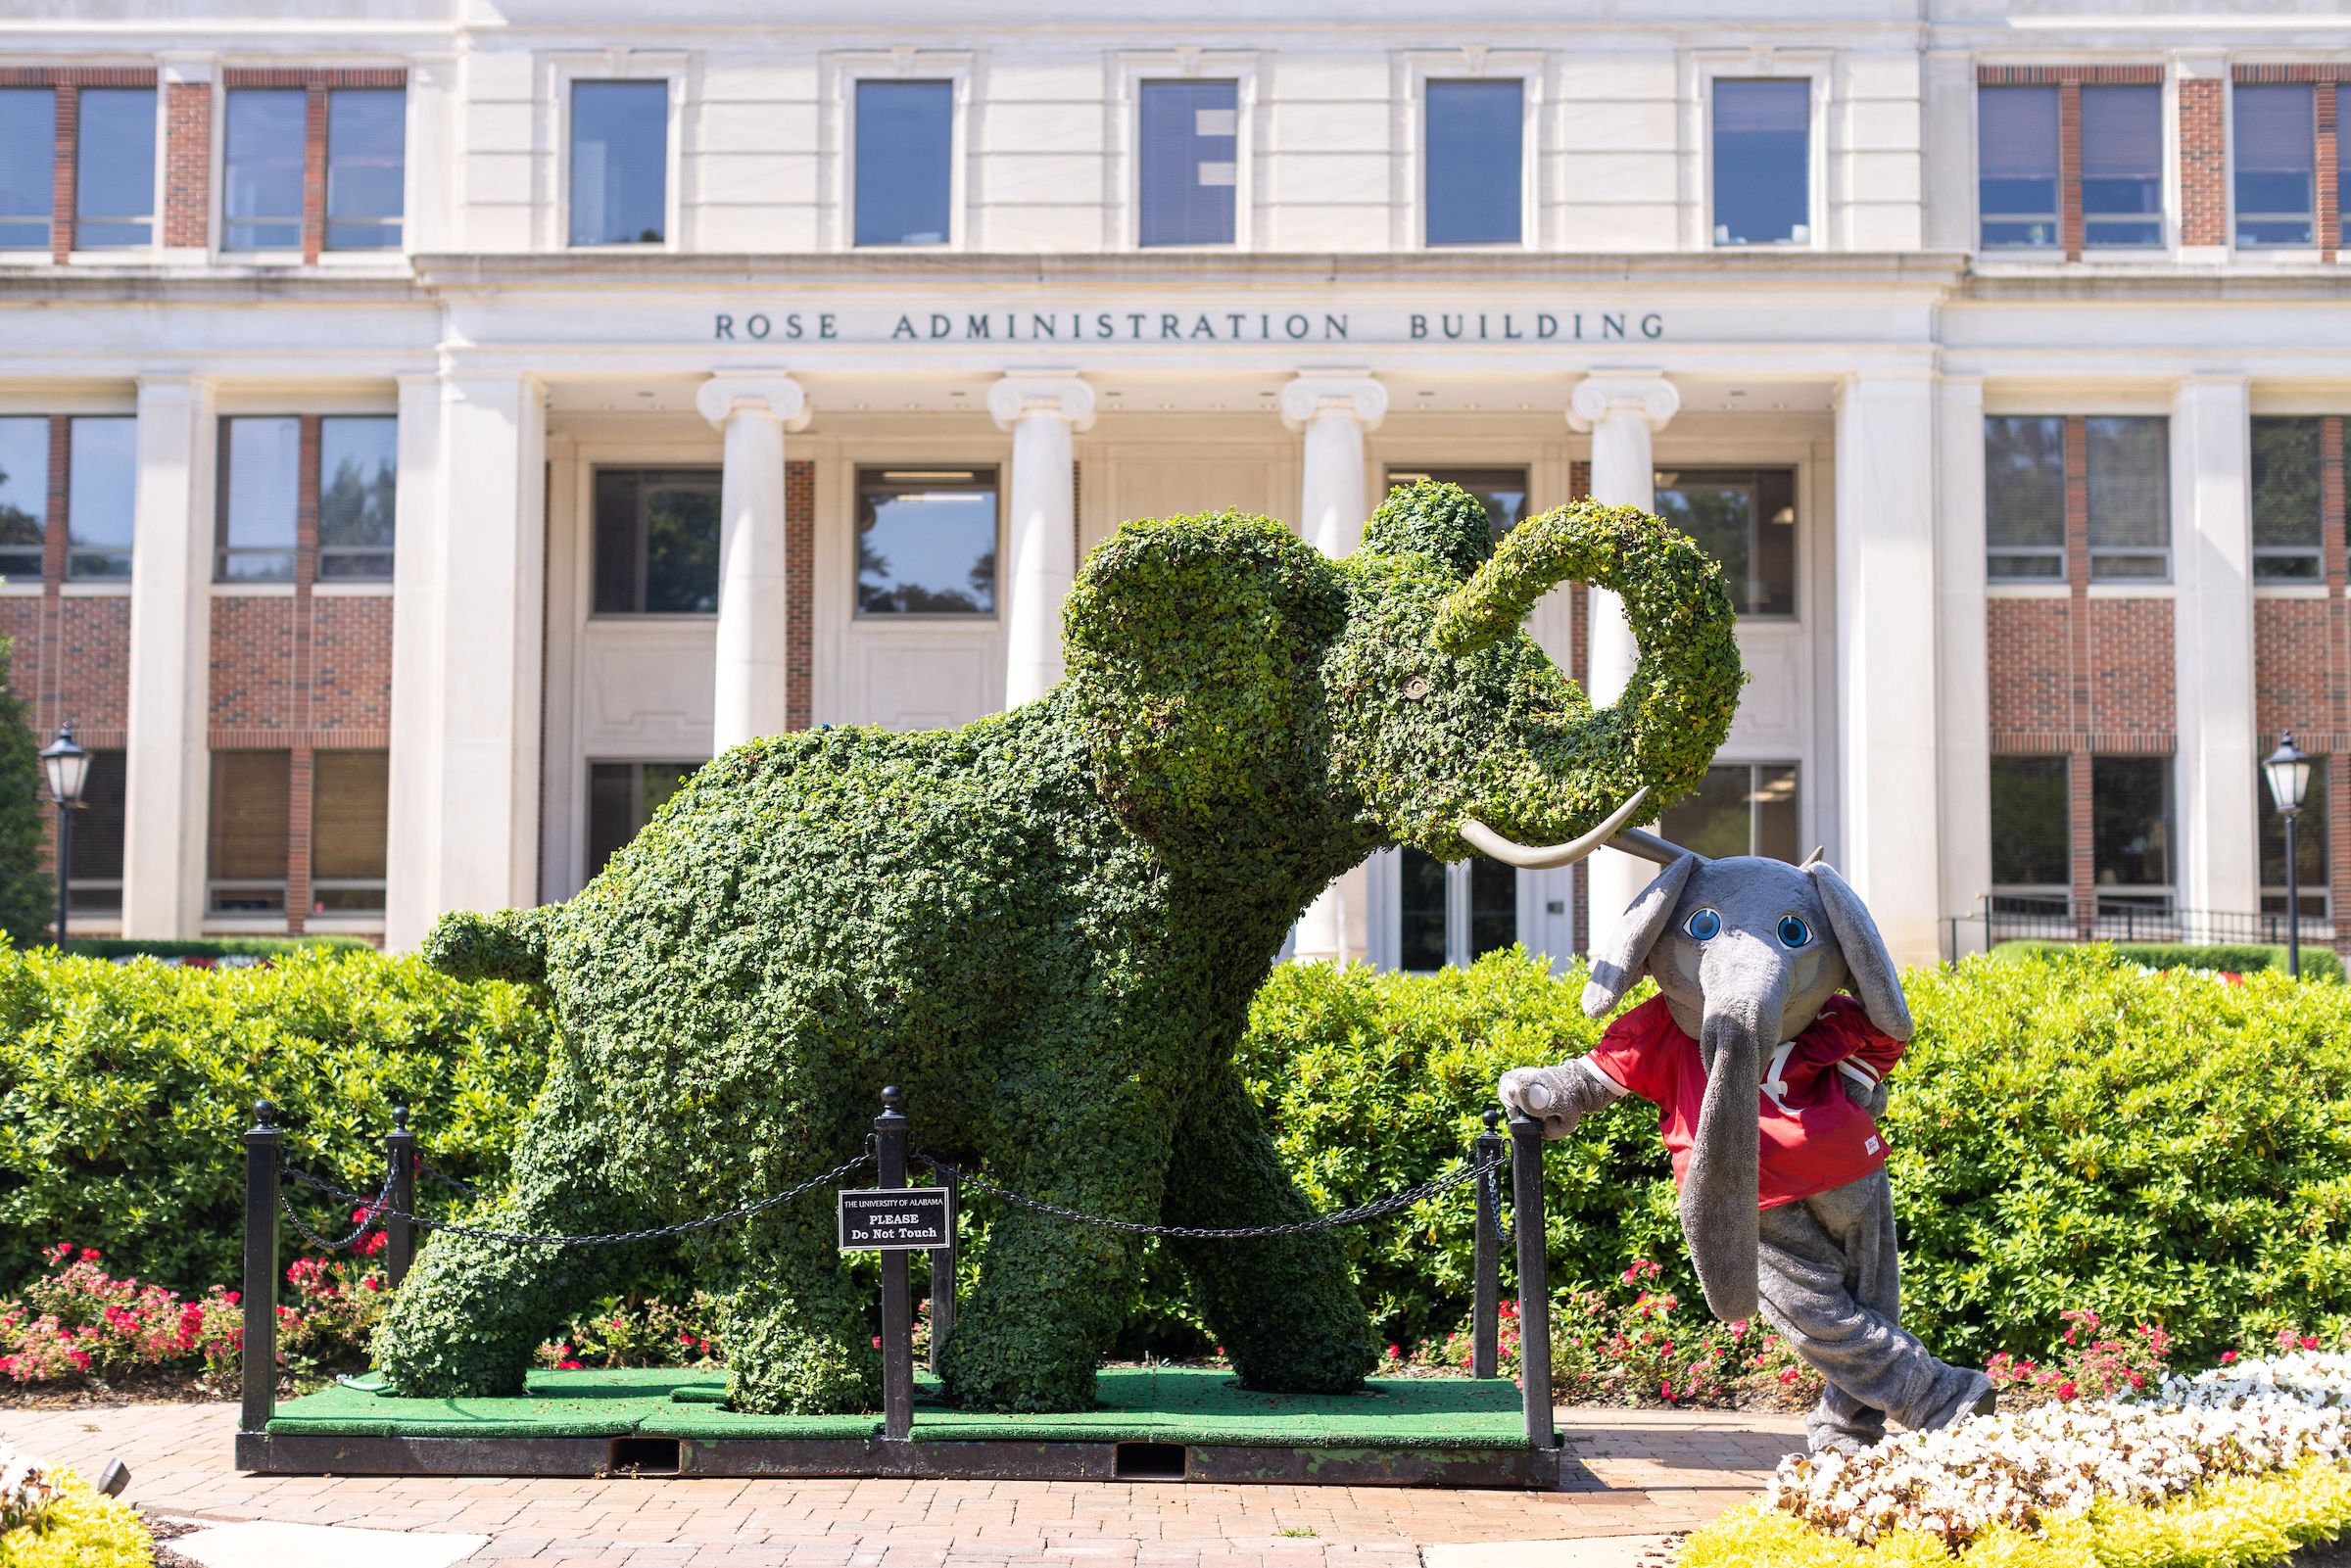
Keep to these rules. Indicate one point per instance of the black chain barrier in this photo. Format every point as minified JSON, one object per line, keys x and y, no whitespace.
{"x":1504,"y":1234}
{"x":453,"y":1183}
{"x":611,"y":1239}
{"x":371,"y":1211}
{"x":1465,"y":1171}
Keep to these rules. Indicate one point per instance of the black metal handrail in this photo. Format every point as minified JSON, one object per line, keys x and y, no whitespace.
{"x":2118,"y":918}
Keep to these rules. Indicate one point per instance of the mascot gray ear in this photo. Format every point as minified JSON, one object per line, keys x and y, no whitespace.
{"x":1619,"y":968}
{"x":1874,"y":979}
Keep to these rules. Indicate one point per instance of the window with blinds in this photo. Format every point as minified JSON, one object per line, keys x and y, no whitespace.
{"x":351,"y":795}
{"x":1763,"y":162}
{"x":2122,"y":167}
{"x":2276,"y":145}
{"x":2016,"y":168}
{"x":251,"y":809}
{"x":1190,"y":137}
{"x":2130,"y":498}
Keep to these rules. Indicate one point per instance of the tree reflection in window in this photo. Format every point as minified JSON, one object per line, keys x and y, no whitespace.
{"x":926,"y":542}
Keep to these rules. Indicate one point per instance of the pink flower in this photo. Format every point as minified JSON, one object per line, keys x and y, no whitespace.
{"x":2065,"y":1390}
{"x":567,"y":1366}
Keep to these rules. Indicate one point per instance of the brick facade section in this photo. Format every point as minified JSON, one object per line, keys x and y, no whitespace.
{"x":2321,"y":78}
{"x":2294,"y":669}
{"x":253,"y":686}
{"x":188,"y":163}
{"x":91,"y":685}
{"x":351,"y":678}
{"x":2029,"y":643}
{"x":799,"y":594}
{"x":2203,"y":163}
{"x":2060,"y":75}
{"x":2133,"y":701}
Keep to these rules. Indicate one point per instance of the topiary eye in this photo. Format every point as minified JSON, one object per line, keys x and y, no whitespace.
{"x":1794,"y":933}
{"x":1703,"y":924}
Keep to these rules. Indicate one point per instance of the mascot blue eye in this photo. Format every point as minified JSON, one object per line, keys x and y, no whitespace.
{"x":1793,"y":931}
{"x":1704,"y":925}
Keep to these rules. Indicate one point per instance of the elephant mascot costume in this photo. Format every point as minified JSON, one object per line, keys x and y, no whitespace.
{"x":1783,"y":1195}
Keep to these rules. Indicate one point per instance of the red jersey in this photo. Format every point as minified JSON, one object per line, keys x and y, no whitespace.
{"x":1812,"y":1137}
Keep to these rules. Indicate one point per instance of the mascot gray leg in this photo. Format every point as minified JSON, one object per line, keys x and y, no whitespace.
{"x":1831,"y":1283}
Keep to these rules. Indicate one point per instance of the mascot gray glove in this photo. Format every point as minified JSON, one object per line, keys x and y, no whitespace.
{"x":1559,"y":1096}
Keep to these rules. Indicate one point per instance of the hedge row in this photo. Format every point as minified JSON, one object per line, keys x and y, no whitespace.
{"x":2236,"y":958}
{"x":2068,"y":1131}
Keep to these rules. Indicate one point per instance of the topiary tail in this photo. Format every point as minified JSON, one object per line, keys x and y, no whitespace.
{"x":510,"y":945}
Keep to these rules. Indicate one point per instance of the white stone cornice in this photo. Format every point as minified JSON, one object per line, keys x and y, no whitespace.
{"x":1352,"y":392}
{"x":1643,"y":393}
{"x":1064,"y":396}
{"x":764,"y":392}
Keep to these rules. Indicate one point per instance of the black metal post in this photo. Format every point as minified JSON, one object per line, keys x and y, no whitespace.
{"x":400,"y":1231}
{"x":942,"y":1277}
{"x":2293,"y":905}
{"x":898,"y":1310}
{"x":1485,"y":1328}
{"x":259,"y":1373}
{"x":65,"y":865}
{"x":1534,"y":1280}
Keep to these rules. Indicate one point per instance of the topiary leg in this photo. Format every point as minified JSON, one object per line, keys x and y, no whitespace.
{"x":797,"y":1335}
{"x":1285,"y":1309}
{"x":1053,"y":1292}
{"x":472,"y":1313}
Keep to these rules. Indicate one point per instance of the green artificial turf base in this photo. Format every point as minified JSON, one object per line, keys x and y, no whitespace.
{"x":1159,"y":1404}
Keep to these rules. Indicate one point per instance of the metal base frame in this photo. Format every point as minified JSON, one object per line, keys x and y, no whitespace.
{"x":334,"y":1454}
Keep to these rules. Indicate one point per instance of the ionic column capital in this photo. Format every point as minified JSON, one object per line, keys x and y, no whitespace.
{"x":1352,"y":392}
{"x":1644,"y":394}
{"x":1064,"y":397}
{"x":766,"y":392}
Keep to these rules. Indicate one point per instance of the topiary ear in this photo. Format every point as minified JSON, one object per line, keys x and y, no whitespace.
{"x":1443,"y":523}
{"x":1194,"y":649}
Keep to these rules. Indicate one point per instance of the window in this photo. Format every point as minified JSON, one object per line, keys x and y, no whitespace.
{"x":2288,"y":521}
{"x":2342,"y":165}
{"x":96,"y":884}
{"x":1746,"y":519}
{"x":260,"y":470}
{"x":657,"y":540}
{"x":27,"y":167}
{"x":1741,"y":809}
{"x":251,"y":809}
{"x":2131,"y":825}
{"x":622,"y":797}
{"x":2311,"y":864}
{"x":101,"y":485}
{"x":359,"y":463}
{"x":1474,"y":181}
{"x":114,"y":176}
{"x":926,"y":542}
{"x":1453,"y":915}
{"x":1190,"y":137}
{"x":24,"y":496}
{"x":2032,"y":834}
{"x":619,"y":162}
{"x":350,"y":796}
{"x":2024,"y":498}
{"x":261,"y":199}
{"x":905,"y":149}
{"x":2130,"y":498}
{"x":1500,"y":491}
{"x":2016,"y":166}
{"x":366,"y":161}
{"x":1763,"y":162}
{"x":2277,"y":149}
{"x":2122,"y":166}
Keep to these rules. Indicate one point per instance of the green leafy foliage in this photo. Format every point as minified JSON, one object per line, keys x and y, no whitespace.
{"x":2236,"y":958}
{"x":125,"y":1087}
{"x":27,"y":893}
{"x":270,"y":947}
{"x":1046,"y":927}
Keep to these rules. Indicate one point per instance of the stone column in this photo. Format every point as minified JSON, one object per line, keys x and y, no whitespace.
{"x":1963,"y":685}
{"x":2217,"y":821}
{"x":753,"y":410}
{"x":168,"y":763}
{"x":1623,"y":410}
{"x":413,"y":826}
{"x":1042,"y":410}
{"x":484,"y":559}
{"x":1887,"y":688}
{"x":1334,"y":409}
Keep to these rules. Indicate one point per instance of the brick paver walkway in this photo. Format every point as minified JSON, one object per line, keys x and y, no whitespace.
{"x":1659,"y":1471}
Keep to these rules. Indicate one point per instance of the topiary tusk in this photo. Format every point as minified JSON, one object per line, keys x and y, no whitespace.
{"x":1486,"y":841}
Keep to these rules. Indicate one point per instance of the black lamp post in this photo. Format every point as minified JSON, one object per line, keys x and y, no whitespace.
{"x":69,"y":769}
{"x":2289,"y":772}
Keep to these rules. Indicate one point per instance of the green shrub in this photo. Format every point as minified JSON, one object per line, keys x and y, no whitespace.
{"x":2238,"y":958}
{"x":270,"y":947}
{"x":2068,"y":1131}
{"x":123,"y":1089}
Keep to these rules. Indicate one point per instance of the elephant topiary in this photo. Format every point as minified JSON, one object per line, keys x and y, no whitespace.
{"x":1047,"y":927}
